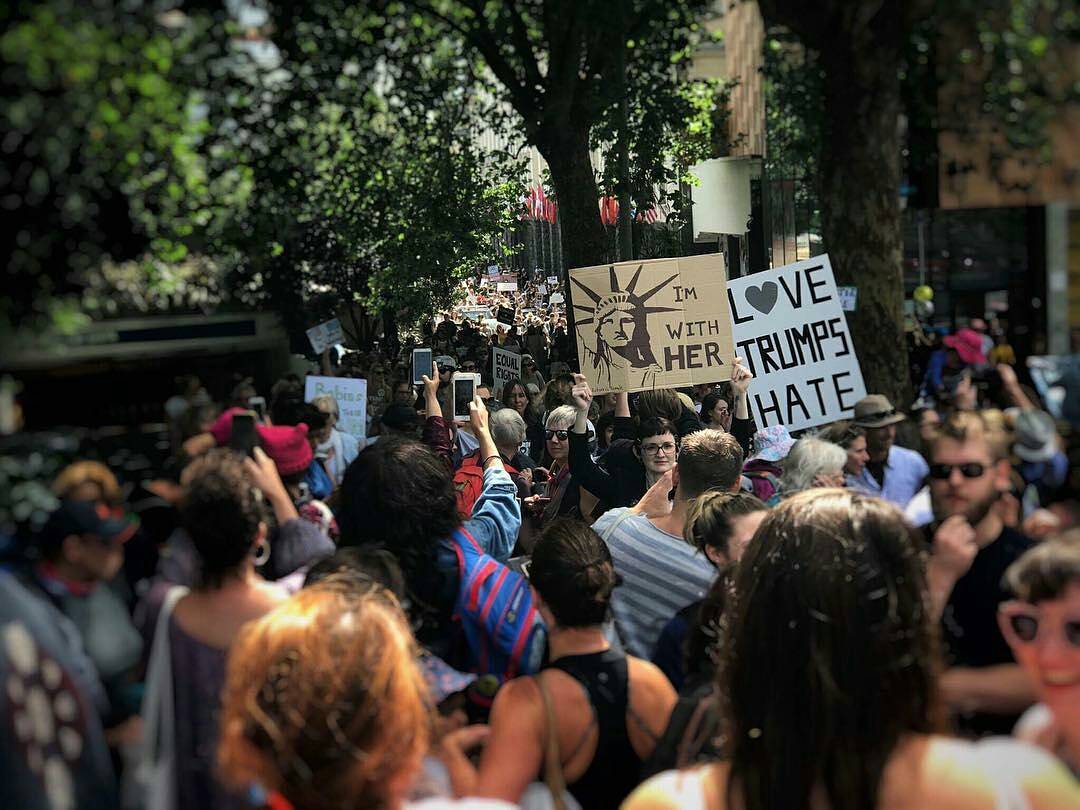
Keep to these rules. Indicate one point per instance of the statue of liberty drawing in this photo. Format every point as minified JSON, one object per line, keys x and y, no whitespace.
{"x":623,"y":356}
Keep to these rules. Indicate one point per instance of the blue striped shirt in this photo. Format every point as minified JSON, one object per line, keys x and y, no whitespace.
{"x":661,"y":575}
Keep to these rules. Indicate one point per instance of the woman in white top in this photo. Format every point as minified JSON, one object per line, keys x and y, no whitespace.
{"x":829,"y":680}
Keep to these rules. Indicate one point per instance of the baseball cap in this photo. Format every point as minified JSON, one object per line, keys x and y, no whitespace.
{"x":82,"y":518}
{"x":445,"y":361}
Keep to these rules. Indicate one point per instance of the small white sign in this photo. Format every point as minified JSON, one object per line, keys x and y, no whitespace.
{"x":351,"y":397}
{"x":507,"y":286}
{"x":542,"y":289}
{"x":505,"y":366}
{"x":849,"y":297}
{"x":493,"y":269}
{"x":557,"y":298}
{"x":552,"y":280}
{"x":790,"y":331}
{"x":325,"y":334}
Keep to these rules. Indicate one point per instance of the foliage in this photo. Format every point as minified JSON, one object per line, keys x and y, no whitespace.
{"x":370,"y":183}
{"x":105,"y":148}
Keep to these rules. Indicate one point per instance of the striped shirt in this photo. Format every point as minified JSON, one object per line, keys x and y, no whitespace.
{"x":661,"y":575}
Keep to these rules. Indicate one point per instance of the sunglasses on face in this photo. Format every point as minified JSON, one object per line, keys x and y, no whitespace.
{"x":942,"y":471}
{"x":556,"y":434}
{"x":445,"y":369}
{"x":1020,"y":624}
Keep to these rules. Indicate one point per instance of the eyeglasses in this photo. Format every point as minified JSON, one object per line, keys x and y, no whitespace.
{"x":943,"y":471}
{"x":560,"y":434}
{"x":667,"y":448}
{"x":1020,"y":621}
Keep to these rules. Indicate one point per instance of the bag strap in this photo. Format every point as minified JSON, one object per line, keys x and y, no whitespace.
{"x":553,"y":775}
{"x":157,"y":716}
{"x":616,"y":524}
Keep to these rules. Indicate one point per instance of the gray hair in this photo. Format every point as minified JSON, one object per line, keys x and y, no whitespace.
{"x":809,"y":458}
{"x":507,"y":428}
{"x":561,"y":418}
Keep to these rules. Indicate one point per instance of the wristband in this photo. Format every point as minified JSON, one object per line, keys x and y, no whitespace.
{"x":483,"y":464}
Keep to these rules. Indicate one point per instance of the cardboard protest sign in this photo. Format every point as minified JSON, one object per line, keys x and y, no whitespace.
{"x":792,"y":334}
{"x":662,"y":323}
{"x":325,"y":334}
{"x":505,"y":365}
{"x":506,"y":286}
{"x":351,"y":396}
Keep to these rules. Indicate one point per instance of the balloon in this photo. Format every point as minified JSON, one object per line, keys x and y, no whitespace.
{"x":923,"y":293}
{"x":924,"y":309}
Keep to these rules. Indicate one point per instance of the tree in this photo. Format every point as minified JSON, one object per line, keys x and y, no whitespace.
{"x":870,"y":58}
{"x":105,"y":153}
{"x":370,"y":188}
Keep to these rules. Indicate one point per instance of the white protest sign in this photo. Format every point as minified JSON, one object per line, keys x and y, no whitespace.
{"x":507,"y":286}
{"x":557,"y":298}
{"x":325,"y":334}
{"x":849,"y":297}
{"x":493,"y":270}
{"x":553,"y":280}
{"x":541,"y":289}
{"x":504,"y":366}
{"x":351,"y":397}
{"x":792,"y":334}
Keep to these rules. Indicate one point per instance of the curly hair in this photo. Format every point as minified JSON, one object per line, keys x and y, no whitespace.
{"x":221,"y":511}
{"x":323,"y":700}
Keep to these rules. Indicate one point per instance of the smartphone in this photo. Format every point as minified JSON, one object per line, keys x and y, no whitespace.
{"x":421,"y":365}
{"x":244,"y":437}
{"x":465,"y":385}
{"x":258,"y":404}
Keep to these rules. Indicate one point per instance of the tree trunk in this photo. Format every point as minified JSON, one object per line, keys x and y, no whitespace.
{"x":582,"y":233}
{"x":860,"y":190}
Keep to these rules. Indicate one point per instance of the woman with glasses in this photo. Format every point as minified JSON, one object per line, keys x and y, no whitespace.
{"x":1042,"y":626}
{"x":630,"y":468}
{"x":560,"y":494}
{"x":829,"y":685}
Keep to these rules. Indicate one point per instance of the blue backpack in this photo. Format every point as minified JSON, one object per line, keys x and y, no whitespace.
{"x":503,"y":630}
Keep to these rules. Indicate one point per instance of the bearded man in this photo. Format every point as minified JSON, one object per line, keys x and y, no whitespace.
{"x":969,"y":471}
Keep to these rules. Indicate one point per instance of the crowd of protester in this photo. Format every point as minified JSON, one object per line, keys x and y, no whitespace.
{"x":565,"y":600}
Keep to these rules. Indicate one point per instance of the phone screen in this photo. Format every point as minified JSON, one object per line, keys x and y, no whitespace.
{"x":421,"y":365}
{"x":244,"y":438}
{"x":258,"y":404}
{"x":464,"y":390}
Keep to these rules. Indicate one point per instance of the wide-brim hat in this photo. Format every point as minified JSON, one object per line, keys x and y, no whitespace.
{"x":772,"y":444}
{"x":876,"y":411}
{"x":1036,"y":436}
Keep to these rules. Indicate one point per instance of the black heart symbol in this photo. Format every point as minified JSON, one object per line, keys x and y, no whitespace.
{"x":763,"y":298}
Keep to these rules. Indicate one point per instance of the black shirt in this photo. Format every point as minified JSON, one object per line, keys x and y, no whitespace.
{"x":969,"y":623}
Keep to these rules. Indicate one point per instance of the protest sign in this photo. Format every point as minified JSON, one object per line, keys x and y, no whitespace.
{"x":505,"y":315}
{"x":351,"y":396}
{"x":557,"y":298}
{"x":792,"y":334}
{"x":1057,"y":379}
{"x":325,"y":334}
{"x":849,"y":297}
{"x":662,"y":323}
{"x":552,"y":280}
{"x":506,"y":286}
{"x":505,"y":366}
{"x":493,"y":270}
{"x":541,"y":289}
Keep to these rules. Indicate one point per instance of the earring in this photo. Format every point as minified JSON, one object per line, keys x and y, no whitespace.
{"x":262,"y":553}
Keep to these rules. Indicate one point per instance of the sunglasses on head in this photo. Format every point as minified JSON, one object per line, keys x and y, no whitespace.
{"x":1020,"y":624}
{"x":561,"y":434}
{"x":942,"y":471}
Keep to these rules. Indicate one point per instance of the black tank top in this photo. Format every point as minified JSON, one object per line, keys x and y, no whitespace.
{"x":615,"y":769}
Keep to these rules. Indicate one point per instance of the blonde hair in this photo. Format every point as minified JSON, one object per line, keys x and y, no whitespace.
{"x":323,"y":701}
{"x":88,"y":473}
{"x":973,"y":426}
